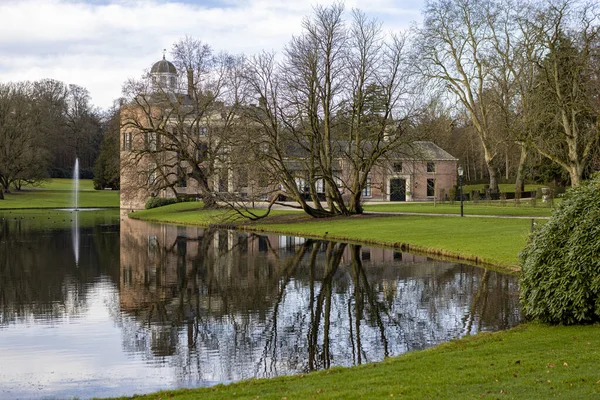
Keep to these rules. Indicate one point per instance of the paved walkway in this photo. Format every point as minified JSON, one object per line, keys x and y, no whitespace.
{"x":454,"y":215}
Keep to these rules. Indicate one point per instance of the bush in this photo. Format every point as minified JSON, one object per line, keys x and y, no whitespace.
{"x":561,"y":262}
{"x":154,"y":202}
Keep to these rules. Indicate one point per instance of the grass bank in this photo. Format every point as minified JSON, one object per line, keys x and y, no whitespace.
{"x":444,"y":236}
{"x":532,"y":361}
{"x":507,"y":208}
{"x":58,"y":193}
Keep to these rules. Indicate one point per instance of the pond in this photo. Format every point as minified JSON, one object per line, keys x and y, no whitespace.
{"x":94,"y":305}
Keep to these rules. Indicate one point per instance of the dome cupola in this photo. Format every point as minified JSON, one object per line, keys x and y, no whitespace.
{"x":164,"y":75}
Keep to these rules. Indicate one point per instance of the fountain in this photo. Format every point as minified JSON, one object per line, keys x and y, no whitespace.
{"x":76,"y":185}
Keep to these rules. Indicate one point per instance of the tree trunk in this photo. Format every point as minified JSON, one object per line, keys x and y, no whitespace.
{"x":575,"y":173}
{"x":520,"y":180}
{"x":488,"y":158}
{"x":507,"y":165}
{"x":355,"y":206}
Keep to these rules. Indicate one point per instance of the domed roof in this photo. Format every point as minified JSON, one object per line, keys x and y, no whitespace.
{"x":163,"y":67}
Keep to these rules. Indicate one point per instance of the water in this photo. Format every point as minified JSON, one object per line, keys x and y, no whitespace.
{"x":149,"y":307}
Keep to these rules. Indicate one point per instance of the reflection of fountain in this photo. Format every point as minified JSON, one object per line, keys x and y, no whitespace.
{"x":76,"y":209}
{"x":75,"y":232}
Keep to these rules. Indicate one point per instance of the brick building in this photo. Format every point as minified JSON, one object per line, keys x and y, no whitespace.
{"x":423,"y":172}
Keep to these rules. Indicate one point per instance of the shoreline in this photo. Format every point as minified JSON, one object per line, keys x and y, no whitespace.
{"x":263,"y":227}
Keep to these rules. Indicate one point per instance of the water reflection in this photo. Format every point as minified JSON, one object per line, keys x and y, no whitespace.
{"x":75,"y":233}
{"x":229,"y":305}
{"x":39,"y":279}
{"x":157,"y":306}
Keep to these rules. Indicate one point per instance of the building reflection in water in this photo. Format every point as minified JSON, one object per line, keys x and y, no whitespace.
{"x":223,"y":305}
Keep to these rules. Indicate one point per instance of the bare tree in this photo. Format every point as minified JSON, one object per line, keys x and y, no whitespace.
{"x":330,"y":110}
{"x":516,"y":44}
{"x":455,"y":45}
{"x":82,"y":131}
{"x":565,"y":101}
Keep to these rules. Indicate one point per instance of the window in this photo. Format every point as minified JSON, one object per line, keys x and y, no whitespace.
{"x":430,"y":166}
{"x":397,"y":167}
{"x":152,"y":244}
{"x":182,"y":180}
{"x":430,"y":187}
{"x":339,"y":183}
{"x":263,"y":244}
{"x":151,"y":173}
{"x":128,"y":276}
{"x":202,"y":131}
{"x":301,"y":185}
{"x":366,"y":192}
{"x":202,"y":151}
{"x":366,"y":254}
{"x":320,"y":186}
{"x":127,"y":139}
{"x":151,"y":141}
{"x":242,"y":176}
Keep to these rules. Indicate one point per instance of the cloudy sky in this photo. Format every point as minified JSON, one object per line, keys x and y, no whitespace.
{"x":99,"y":44}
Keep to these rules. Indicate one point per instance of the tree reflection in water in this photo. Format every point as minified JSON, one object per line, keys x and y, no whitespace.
{"x":221,"y":306}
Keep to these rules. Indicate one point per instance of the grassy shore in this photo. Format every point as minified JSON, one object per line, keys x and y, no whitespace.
{"x":508,"y":208}
{"x":445,"y":236}
{"x":532,"y":361}
{"x":58,"y":193}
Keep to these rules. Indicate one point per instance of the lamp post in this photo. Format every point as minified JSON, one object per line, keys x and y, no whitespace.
{"x":460,"y":175}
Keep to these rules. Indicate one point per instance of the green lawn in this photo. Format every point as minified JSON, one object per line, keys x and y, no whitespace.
{"x":66,"y":184}
{"x":58,"y":193}
{"x":470,"y":208}
{"x":449,"y":236}
{"x":532,"y":361}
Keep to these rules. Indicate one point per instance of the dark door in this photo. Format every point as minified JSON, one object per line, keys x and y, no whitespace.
{"x":398,"y":189}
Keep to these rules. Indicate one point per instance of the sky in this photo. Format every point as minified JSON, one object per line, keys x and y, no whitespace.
{"x":99,"y":44}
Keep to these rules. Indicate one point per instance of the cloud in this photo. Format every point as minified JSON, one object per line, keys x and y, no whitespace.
{"x":100,"y":44}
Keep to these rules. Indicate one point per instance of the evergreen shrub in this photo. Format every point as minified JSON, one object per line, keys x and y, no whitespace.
{"x":154,"y":202}
{"x":561,"y":262}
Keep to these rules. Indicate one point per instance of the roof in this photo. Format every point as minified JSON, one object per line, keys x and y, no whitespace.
{"x":431,"y":151}
{"x":163,"y":67}
{"x":417,"y":150}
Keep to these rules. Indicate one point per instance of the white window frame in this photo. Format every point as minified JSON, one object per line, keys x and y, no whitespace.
{"x":366,"y":192}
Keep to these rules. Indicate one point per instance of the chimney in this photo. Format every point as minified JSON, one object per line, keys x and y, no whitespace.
{"x":190,"y":83}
